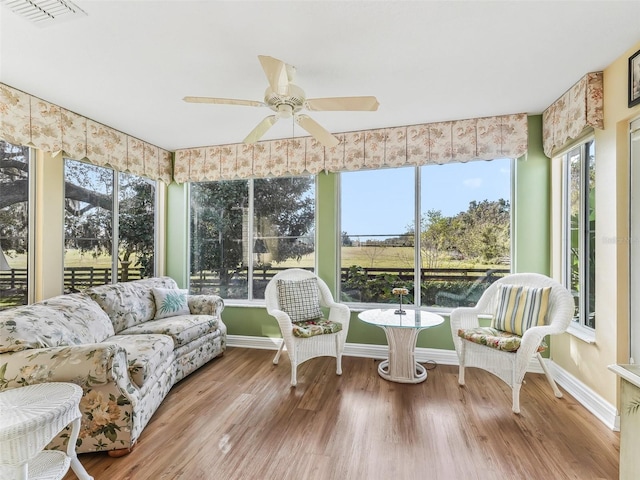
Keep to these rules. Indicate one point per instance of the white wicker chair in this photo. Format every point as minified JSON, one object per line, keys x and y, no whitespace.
{"x":511,"y":366}
{"x":302,"y":349}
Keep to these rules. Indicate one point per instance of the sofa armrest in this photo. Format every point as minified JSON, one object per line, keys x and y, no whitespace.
{"x":205,"y":305}
{"x":86,"y":365}
{"x":110,"y":401}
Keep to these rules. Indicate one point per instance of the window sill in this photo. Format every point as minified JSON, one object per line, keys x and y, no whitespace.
{"x":245,"y":303}
{"x":581,"y":333}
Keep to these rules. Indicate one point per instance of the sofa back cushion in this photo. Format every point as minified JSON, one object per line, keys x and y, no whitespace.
{"x":34,"y":326}
{"x":84,"y":316}
{"x":129,"y":303}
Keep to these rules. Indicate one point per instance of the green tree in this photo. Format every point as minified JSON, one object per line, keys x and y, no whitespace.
{"x":284,"y":213}
{"x":479,"y":233}
{"x":14,"y":194}
{"x":89,"y":215}
{"x":136,"y":229}
{"x":482,"y":232}
{"x":284,"y":210}
{"x":346,"y":240}
{"x":436,"y":236}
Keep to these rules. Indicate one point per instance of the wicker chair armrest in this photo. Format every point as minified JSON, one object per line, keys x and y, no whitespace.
{"x":283,"y":318}
{"x":340,"y":313}
{"x":535,"y":335}
{"x":205,"y":305}
{"x":465,"y":317}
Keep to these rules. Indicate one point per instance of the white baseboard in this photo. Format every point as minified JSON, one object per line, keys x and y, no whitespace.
{"x":443,"y":357}
{"x":598,"y":406}
{"x":263,"y":343}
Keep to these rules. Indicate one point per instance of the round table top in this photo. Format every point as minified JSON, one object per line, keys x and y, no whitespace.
{"x":31,"y":416}
{"x":410,"y":319}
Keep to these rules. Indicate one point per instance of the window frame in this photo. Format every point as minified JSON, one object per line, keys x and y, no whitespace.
{"x":578,"y":326}
{"x":249,"y":301}
{"x":31,"y":223}
{"x":115,"y":218}
{"x":360,"y":306}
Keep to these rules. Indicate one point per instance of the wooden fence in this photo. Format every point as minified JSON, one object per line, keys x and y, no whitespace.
{"x":204,"y":280}
{"x":76,"y":279}
{"x":13,"y":283}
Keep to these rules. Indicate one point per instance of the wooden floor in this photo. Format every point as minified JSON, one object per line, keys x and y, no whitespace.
{"x":237,"y":418}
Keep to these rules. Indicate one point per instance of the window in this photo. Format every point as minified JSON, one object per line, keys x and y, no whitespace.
{"x":95,"y":224}
{"x":245,"y":231}
{"x":377,"y":242}
{"x":579,"y":220}
{"x":14,"y":224}
{"x":463,"y":240}
{"x":136,"y":227}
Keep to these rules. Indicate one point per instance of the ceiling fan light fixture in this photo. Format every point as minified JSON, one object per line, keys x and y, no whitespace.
{"x":285,"y":111}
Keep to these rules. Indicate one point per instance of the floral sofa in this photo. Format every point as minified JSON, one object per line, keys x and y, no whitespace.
{"x":125,"y":344}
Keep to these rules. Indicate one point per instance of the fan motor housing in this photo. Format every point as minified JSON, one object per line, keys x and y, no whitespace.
{"x":293,"y":101}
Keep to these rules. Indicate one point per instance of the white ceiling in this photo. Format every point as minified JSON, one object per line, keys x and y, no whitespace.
{"x":128,"y":64}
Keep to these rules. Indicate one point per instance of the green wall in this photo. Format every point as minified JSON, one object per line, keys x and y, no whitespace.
{"x":532,"y":206}
{"x":177,"y":233}
{"x":531,"y":188}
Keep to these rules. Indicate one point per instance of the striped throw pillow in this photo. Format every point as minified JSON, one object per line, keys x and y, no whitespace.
{"x":299,"y":299}
{"x":520,"y":308}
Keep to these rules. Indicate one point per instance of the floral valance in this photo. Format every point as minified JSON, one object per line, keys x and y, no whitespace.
{"x":578,"y":108}
{"x":28,"y":120}
{"x":432,"y":143}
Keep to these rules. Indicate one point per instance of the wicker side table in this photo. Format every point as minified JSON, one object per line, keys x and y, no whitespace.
{"x":30,"y":417}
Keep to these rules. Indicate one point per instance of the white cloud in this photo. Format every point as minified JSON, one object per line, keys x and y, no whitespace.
{"x":472,"y":182}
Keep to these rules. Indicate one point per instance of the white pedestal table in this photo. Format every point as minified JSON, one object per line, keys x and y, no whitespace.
{"x":402,"y":333}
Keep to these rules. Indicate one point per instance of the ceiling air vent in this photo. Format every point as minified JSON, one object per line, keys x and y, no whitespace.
{"x":44,"y":12}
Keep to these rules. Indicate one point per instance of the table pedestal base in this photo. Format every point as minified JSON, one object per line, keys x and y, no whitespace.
{"x":420,"y":373}
{"x":401,"y":366}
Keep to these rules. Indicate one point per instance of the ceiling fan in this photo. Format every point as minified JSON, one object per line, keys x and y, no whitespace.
{"x":287,"y":100}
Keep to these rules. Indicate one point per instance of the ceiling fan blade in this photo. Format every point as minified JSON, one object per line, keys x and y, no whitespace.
{"x":366,"y":103}
{"x":276,"y":72}
{"x":317,"y":131}
{"x":257,"y":133}
{"x":224,"y":101}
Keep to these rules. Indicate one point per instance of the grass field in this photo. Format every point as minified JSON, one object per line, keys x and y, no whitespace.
{"x":72,"y":258}
{"x":384,"y":257}
{"x":365,"y":256}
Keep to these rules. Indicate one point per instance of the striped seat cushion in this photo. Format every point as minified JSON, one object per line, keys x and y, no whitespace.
{"x":519,"y":308}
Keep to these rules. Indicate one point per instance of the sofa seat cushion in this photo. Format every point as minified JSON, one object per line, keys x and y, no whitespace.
{"x":181,"y":328}
{"x":129,"y":303}
{"x":494,"y":338}
{"x":34,"y":326}
{"x":145,"y":354}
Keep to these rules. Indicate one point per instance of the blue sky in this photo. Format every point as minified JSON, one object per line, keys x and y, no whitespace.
{"x":381,"y":201}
